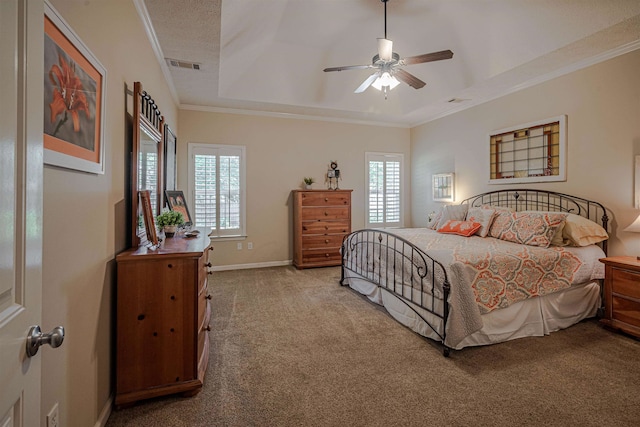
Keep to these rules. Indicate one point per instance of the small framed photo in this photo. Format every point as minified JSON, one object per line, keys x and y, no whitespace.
{"x":177,"y":202}
{"x":147,"y":216}
{"x":74,"y":91}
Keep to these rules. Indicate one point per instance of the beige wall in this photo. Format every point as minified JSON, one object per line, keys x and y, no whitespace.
{"x":602,"y":104}
{"x":84,"y":219}
{"x":280,"y":152}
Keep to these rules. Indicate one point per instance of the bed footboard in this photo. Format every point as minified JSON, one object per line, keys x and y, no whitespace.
{"x":395,"y":265}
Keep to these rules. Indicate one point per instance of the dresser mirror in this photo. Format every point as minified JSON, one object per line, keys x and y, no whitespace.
{"x":147,"y":159}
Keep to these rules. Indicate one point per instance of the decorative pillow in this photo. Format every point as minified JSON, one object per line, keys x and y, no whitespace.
{"x":455,"y":212}
{"x":462,"y":228}
{"x":580,"y":231}
{"x":482,"y":216}
{"x":557,"y":239}
{"x":527,"y":228}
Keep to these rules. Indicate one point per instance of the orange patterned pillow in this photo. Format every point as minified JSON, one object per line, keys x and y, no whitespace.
{"x":462,"y":228}
{"x":527,"y":228}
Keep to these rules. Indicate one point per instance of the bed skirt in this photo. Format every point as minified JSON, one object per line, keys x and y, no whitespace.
{"x":532,"y":317}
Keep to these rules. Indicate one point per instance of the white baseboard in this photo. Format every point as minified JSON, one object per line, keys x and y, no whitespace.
{"x":104,"y":414}
{"x":252,"y":265}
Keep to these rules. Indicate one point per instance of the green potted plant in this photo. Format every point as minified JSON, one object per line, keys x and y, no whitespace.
{"x":169,"y":221}
{"x":308,"y":181}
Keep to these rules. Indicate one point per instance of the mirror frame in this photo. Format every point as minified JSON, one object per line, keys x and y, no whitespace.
{"x":147,"y":117}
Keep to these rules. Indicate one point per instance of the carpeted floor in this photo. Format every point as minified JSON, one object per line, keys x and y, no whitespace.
{"x":293,"y":348}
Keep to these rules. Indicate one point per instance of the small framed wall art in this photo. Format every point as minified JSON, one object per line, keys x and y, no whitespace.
{"x":443,"y":187}
{"x":74,"y":89}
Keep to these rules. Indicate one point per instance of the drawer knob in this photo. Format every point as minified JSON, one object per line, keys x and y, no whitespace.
{"x":208,"y":296}
{"x":326,"y":227}
{"x":210,"y":248}
{"x":326,"y":214}
{"x":208,"y":328}
{"x":326,"y":199}
{"x":208,"y":264}
{"x":326,"y":240}
{"x":327,"y":255}
{"x":209,"y":272}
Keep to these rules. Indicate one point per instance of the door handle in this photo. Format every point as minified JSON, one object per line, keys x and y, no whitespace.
{"x":36,"y":338}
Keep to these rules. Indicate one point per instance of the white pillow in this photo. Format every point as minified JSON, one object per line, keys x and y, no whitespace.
{"x":482,"y":216}
{"x":580,"y":231}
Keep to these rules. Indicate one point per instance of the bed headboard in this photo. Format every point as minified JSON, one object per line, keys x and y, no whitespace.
{"x":542,"y":200}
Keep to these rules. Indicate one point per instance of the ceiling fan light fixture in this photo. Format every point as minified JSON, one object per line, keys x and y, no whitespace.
{"x":385,"y":80}
{"x":385,"y":49}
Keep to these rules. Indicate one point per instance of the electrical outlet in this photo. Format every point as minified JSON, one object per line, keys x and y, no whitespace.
{"x":53,"y":417}
{"x":250,"y":245}
{"x":239,"y":246}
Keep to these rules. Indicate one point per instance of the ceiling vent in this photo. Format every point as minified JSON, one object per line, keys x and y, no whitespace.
{"x":183,"y":64}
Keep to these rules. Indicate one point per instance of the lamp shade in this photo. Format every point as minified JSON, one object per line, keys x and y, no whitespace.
{"x":634,"y":227}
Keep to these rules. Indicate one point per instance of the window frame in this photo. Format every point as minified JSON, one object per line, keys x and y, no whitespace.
{"x":193,"y":147}
{"x":369,"y":156}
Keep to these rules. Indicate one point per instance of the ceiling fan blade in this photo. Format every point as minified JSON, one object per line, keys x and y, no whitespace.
{"x":409,"y":79}
{"x":365,"y":85}
{"x":348,"y":67}
{"x":385,"y":49}
{"x":427,"y":57}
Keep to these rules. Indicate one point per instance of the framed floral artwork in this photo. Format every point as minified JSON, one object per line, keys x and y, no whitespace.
{"x":74,"y":89}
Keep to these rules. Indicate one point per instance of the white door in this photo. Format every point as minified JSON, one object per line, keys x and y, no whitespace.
{"x":21,"y":115}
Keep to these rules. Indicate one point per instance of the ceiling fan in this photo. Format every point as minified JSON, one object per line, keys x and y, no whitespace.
{"x":388,"y":65}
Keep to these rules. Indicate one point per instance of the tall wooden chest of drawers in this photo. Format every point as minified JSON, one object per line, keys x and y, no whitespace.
{"x":162,"y":317}
{"x":321,"y":220}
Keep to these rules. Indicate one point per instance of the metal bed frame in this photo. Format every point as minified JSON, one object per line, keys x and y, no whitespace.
{"x":429,"y":275}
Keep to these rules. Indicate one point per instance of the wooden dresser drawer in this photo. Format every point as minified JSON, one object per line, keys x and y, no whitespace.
{"x":626,"y":283}
{"x":319,"y":255}
{"x":627,"y":311}
{"x":326,"y":227}
{"x":325,"y":199}
{"x":325,"y":213}
{"x":322,"y":241}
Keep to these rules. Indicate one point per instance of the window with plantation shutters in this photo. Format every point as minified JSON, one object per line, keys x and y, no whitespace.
{"x":217,"y":188}
{"x":384,"y":192}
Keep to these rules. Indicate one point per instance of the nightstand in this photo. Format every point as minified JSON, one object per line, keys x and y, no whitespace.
{"x":622,"y":294}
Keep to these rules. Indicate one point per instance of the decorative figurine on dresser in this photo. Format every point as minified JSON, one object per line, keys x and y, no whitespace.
{"x":162,"y":304}
{"x":321,"y":219}
{"x":333,"y":173}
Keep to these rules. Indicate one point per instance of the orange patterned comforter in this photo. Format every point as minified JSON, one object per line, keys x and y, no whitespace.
{"x":503,"y":273}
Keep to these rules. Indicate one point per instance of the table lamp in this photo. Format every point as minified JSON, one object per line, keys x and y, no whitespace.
{"x":634,"y":228}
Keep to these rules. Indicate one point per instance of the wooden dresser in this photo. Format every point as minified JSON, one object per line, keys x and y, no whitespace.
{"x":163,"y":314}
{"x":321,"y":220}
{"x":622,"y":294}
